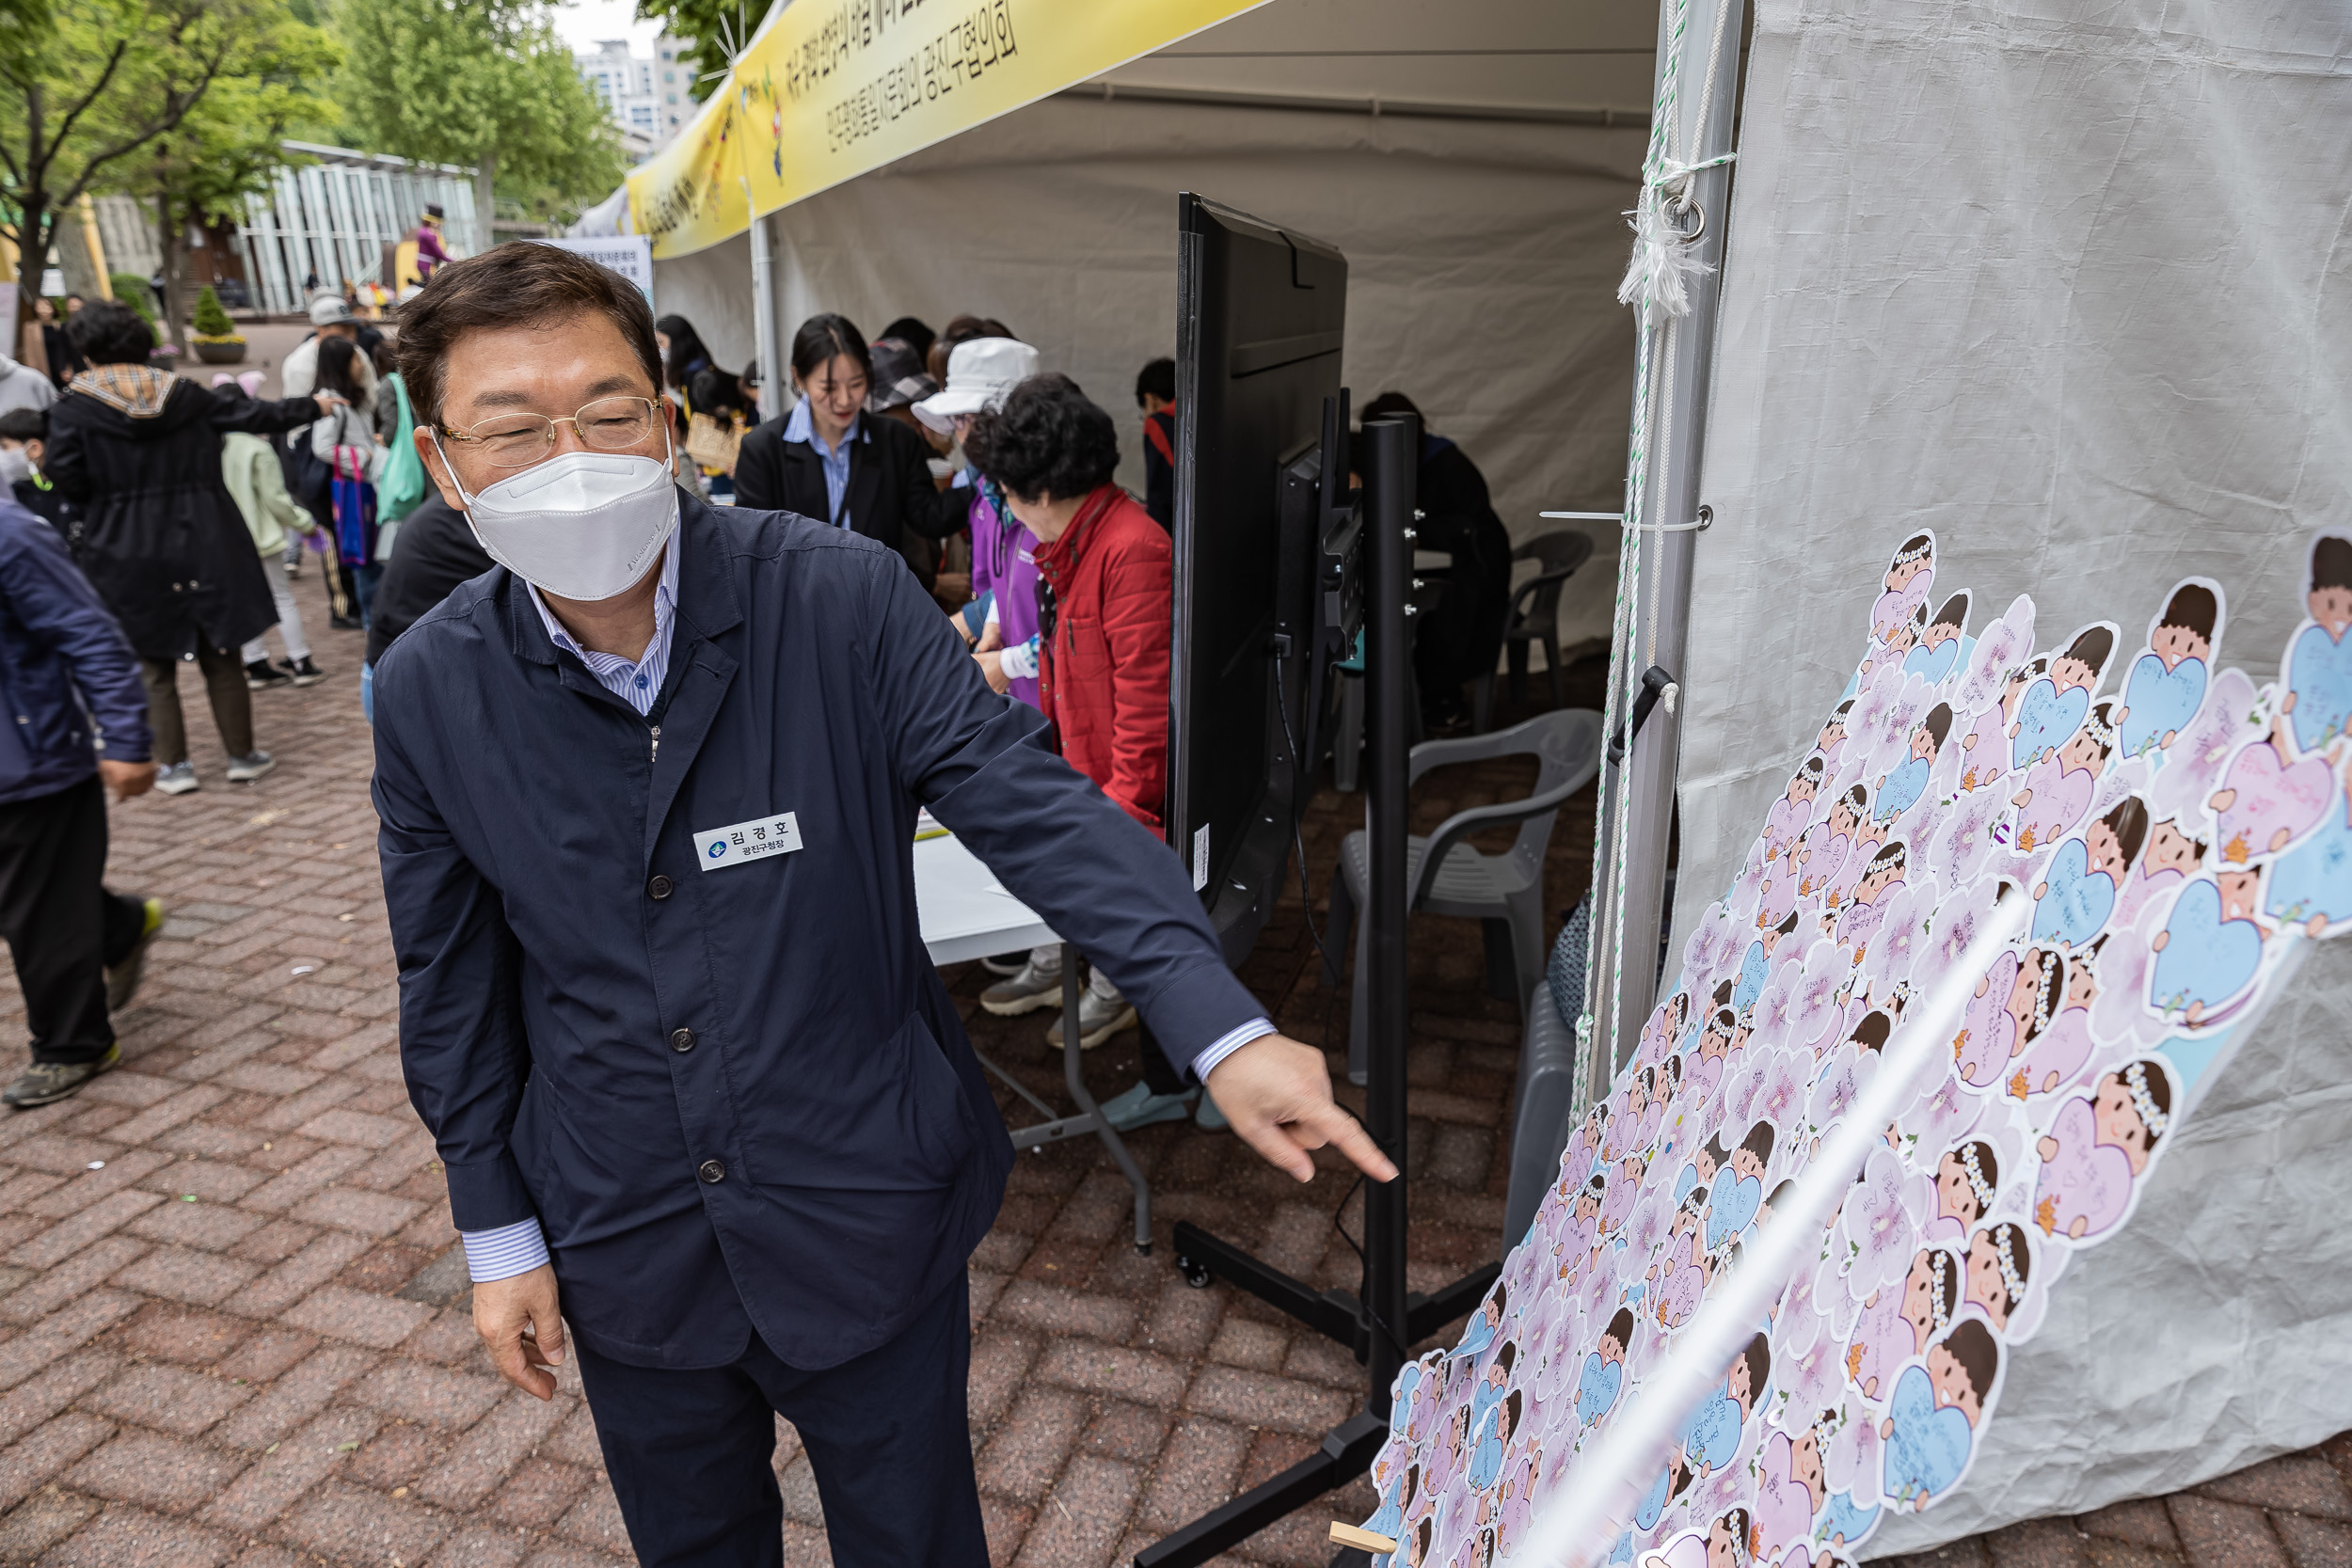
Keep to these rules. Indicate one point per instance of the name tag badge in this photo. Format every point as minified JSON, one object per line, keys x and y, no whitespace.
{"x":762,"y":838}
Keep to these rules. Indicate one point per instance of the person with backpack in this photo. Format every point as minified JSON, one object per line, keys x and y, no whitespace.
{"x":249,"y":468}
{"x":345,"y":440}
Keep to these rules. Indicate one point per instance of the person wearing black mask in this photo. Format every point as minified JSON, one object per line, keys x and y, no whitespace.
{"x":828,"y":460}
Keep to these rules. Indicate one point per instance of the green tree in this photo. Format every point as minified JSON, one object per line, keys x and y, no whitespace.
{"x":480,"y":82}
{"x":211,"y":320}
{"x":85,"y":86}
{"x":228,"y":146}
{"x":716,"y":29}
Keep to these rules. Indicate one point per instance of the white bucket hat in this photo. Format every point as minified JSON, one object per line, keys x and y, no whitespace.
{"x":979,"y":374}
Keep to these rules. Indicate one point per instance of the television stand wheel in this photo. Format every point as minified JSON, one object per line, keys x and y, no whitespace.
{"x":1143,"y":1249}
{"x":1196,"y":1274}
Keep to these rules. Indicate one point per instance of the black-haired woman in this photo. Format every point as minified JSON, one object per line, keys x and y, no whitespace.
{"x":162,"y":539}
{"x":826,"y":460}
{"x":347,"y":443}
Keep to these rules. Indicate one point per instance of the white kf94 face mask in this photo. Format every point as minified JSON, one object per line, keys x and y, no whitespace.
{"x":582,"y":525}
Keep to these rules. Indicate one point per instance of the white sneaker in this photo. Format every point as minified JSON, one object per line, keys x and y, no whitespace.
{"x":178,"y":779}
{"x":246,"y":769}
{"x":1097,"y":1020}
{"x":1024,"y":992}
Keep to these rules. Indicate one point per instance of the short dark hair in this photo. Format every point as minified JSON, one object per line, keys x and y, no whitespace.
{"x":514,"y":284}
{"x":1156,"y":380}
{"x":108,"y":333}
{"x":822,"y":338}
{"x":913,"y":331}
{"x":1048,"y":441}
{"x":27,"y":424}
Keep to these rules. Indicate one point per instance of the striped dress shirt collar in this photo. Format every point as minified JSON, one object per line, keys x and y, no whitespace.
{"x":635,"y":682}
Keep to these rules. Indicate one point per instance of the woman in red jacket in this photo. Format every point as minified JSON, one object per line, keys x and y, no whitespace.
{"x":1103,"y":569}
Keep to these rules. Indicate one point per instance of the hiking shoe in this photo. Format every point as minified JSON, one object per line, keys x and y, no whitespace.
{"x":1140,"y":1107}
{"x":1208,"y":1117}
{"x":302,"y":671}
{"x":1026,"y":992}
{"x":1005,"y":964}
{"x":246,"y":769}
{"x":293,"y":566}
{"x":122,"y":978}
{"x":46,"y":1083}
{"x":261,"y":675}
{"x":178,"y":779}
{"x":1098,"y":1021}
{"x":344,"y":622}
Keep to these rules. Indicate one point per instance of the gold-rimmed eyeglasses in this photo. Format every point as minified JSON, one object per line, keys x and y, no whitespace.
{"x":518,"y":440}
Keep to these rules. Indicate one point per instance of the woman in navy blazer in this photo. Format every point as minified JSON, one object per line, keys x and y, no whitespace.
{"x":888,"y":494}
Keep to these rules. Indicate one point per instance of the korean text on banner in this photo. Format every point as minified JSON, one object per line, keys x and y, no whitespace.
{"x":832,"y":88}
{"x":630,"y":255}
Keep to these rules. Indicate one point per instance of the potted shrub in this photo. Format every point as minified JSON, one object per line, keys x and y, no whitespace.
{"x":217,"y":339}
{"x":132,"y":290}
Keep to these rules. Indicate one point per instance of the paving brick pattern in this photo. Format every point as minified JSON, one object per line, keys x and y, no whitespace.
{"x":234,"y":1326}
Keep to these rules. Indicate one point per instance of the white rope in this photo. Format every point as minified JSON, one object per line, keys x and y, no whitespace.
{"x":1597,"y":1498}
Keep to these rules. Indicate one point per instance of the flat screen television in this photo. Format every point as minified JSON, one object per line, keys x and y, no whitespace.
{"x":1263,"y":548}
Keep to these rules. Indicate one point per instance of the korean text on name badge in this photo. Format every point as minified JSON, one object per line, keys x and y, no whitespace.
{"x":761,"y":838}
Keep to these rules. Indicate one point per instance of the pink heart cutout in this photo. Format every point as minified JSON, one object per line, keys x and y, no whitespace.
{"x":2270,"y":799}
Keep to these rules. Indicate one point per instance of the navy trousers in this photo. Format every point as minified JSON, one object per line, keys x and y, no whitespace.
{"x":692,"y":1454}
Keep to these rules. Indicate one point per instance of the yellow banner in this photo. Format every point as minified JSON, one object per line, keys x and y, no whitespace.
{"x":831,"y":88}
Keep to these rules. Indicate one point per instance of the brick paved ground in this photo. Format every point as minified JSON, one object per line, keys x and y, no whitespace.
{"x":234,"y":1322}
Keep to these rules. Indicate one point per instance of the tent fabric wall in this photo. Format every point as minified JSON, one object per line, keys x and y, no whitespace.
{"x":2071,"y":284}
{"x":1484,"y":257}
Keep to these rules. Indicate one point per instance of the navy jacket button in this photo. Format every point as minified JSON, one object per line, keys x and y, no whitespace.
{"x":712,"y":1170}
{"x":659,"y":887}
{"x":682,"y":1039}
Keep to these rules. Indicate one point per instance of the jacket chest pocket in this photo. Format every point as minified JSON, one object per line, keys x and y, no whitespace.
{"x":1082,"y":655}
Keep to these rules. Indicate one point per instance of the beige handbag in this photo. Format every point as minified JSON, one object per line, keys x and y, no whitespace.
{"x":712,"y":444}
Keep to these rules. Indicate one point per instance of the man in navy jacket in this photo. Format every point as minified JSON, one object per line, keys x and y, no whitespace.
{"x":718,"y":1112}
{"x":66,"y":670}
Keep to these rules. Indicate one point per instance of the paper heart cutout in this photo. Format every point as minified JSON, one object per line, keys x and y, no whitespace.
{"x":2159,"y":701}
{"x":1596,"y":1390}
{"x":2206,"y":960}
{"x":2314,"y":880}
{"x":2270,"y":801}
{"x":1935,"y":664}
{"x":1987,"y":1031}
{"x":1929,"y":1447}
{"x":1733,"y":1209}
{"x":2060,"y":796}
{"x":2046,"y":720}
{"x":2319,"y":672}
{"x":1754,"y":968}
{"x":2079,"y":900}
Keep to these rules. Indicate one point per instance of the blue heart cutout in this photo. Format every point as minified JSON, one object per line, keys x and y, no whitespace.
{"x":2046,"y":720}
{"x":1597,"y":1389}
{"x":2205,"y":957}
{"x":2078,"y":901}
{"x":1933,"y":663}
{"x":1928,"y":1447}
{"x":2320,"y":675}
{"x":2316,"y":876}
{"x":1733,"y":1209}
{"x":2157,"y":702}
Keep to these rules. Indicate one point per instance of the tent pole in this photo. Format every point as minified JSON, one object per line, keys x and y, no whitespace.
{"x":1645,"y":782}
{"x":768,"y":347}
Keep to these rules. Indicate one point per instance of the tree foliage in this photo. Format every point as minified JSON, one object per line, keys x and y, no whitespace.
{"x":87,"y":87}
{"x":480,"y":82}
{"x":714,"y":29}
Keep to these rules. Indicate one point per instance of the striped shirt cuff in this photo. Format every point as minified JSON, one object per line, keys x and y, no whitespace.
{"x":503,"y":1253}
{"x":1229,"y":1042}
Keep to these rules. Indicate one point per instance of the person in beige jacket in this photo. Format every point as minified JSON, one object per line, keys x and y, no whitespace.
{"x":258,"y":486}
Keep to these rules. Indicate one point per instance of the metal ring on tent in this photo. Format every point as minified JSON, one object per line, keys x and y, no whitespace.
{"x":1687,"y":205}
{"x":1706,"y":520}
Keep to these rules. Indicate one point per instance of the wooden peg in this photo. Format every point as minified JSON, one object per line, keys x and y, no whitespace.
{"x":1362,"y":1540}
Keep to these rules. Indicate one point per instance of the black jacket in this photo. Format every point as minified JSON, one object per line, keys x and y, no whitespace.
{"x":890,"y":499}
{"x":1462,"y":634}
{"x":433,"y":552}
{"x":162,"y":539}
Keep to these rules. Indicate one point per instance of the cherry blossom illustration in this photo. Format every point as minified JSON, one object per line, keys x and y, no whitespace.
{"x":1844,"y":1076}
{"x":1783,"y":1090}
{"x":2119,"y":1017}
{"x":2001,"y":648}
{"x":1975,"y":832}
{"x":1902,"y":932}
{"x":1819,"y":1002}
{"x":1715,"y":948}
{"x":1878,"y":1232}
{"x":1942,"y":1115}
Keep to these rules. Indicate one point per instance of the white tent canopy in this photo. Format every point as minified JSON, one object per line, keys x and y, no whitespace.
{"x":1473,"y":162}
{"x":2069,"y":285}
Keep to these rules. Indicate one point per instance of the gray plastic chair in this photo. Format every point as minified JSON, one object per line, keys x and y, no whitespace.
{"x":1445,"y":876}
{"x":1535,"y":618}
